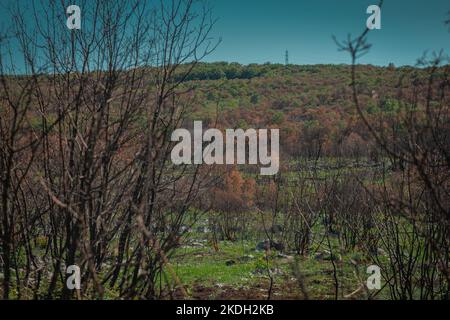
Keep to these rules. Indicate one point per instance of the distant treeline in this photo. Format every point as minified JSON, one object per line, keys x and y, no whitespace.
{"x":234,"y":70}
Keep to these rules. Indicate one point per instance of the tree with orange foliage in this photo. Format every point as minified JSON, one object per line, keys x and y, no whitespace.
{"x":230,"y":200}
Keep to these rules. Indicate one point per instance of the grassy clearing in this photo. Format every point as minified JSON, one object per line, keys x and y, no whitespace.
{"x":238,"y":267}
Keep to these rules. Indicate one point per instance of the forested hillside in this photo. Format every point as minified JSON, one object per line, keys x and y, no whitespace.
{"x":311,"y":104}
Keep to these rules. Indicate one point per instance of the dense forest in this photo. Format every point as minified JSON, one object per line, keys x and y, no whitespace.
{"x":311,"y":104}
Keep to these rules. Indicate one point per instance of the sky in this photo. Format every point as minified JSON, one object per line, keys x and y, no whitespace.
{"x":259,"y":31}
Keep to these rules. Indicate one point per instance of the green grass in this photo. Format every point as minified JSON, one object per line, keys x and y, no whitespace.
{"x":205,"y":267}
{"x":209,"y":267}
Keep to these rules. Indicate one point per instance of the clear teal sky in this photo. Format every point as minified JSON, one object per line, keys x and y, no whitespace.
{"x":261,"y":30}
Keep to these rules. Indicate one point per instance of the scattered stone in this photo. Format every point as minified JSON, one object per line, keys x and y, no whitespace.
{"x":259,"y":271}
{"x":318,"y":256}
{"x":261,"y":246}
{"x":184,"y":229}
{"x":277,"y":271}
{"x":285,"y":256}
{"x":202,"y":229}
{"x":246,"y":258}
{"x":326,"y":256}
{"x":266,"y":245}
{"x":230,"y":263}
{"x":263,"y":271}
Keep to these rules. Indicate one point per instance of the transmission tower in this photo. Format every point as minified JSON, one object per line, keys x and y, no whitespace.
{"x":286,"y":58}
